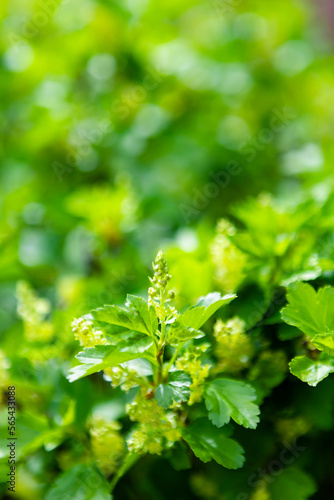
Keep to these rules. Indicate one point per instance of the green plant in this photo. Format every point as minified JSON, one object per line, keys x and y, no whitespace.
{"x":313,"y":314}
{"x":157,"y":353}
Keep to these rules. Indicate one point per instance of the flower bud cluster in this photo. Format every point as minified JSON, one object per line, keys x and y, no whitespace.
{"x":87,"y":335}
{"x":234,"y":347}
{"x":33,"y":311}
{"x":157,"y":429}
{"x":228,"y":260}
{"x":158,"y":295}
{"x":123,"y":376}
{"x":115,"y":375}
{"x":108,"y":445}
{"x":261,"y":491}
{"x":161,"y":276}
{"x":190,"y":363}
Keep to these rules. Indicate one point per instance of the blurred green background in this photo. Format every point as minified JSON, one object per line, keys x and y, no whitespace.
{"x":130,"y":126}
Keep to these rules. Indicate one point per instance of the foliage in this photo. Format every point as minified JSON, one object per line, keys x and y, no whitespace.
{"x":167,"y":383}
{"x":312,"y":313}
{"x":203,"y":129}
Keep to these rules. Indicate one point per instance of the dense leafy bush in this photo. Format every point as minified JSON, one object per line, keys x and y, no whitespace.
{"x":203,"y":129}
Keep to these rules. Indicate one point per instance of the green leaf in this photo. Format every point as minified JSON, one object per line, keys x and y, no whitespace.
{"x":186,"y":326}
{"x":112,"y":331}
{"x":176,"y":390}
{"x":98,"y":358}
{"x":82,"y":482}
{"x":137,"y":315}
{"x":312,"y":371}
{"x":324,"y":342}
{"x":136,"y":343}
{"x":33,"y":431}
{"x":209,"y":443}
{"x":179,"y":456}
{"x":292,"y":483}
{"x":311,"y":312}
{"x":287,"y":332}
{"x":226,"y":399}
{"x":81,"y":371}
{"x":145,"y":312}
{"x":196,"y":316}
{"x":181,"y":333}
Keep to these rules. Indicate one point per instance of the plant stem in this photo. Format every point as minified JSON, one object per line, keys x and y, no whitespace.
{"x":129,"y":461}
{"x":173,"y":358}
{"x":161,"y":345}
